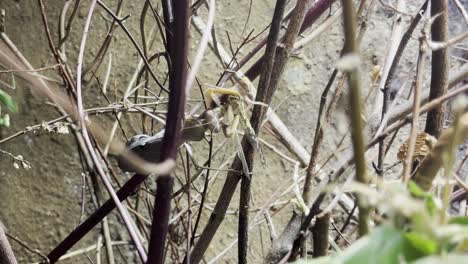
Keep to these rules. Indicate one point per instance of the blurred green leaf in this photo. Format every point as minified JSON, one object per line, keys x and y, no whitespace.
{"x":421,"y":243}
{"x":428,"y":198}
{"x":13,"y":81}
{"x":452,"y":259}
{"x":8,"y":101}
{"x":416,"y":191}
{"x":460,"y":220}
{"x":5,"y":121}
{"x":384,"y":246}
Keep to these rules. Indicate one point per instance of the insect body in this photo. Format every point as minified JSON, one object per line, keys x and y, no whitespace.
{"x":226,"y":109}
{"x":423,"y":146}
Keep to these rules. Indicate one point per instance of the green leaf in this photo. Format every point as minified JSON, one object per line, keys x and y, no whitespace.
{"x":13,"y":81}
{"x":431,"y":205}
{"x":5,"y":121}
{"x":452,"y":259}
{"x":428,"y":198}
{"x":421,"y":243}
{"x":416,"y":191}
{"x":8,"y":101}
{"x":384,"y":245}
{"x":460,"y":220}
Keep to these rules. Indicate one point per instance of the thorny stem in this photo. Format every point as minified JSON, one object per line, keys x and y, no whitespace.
{"x":351,"y":49}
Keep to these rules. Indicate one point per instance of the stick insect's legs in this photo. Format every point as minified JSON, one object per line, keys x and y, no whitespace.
{"x":232,"y":127}
{"x":240,"y":154}
{"x":252,"y":102}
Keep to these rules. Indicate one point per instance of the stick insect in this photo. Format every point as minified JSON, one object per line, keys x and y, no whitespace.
{"x":226,"y":109}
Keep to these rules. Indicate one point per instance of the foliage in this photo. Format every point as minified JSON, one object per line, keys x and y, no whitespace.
{"x":414,"y":233}
{"x":8,"y":101}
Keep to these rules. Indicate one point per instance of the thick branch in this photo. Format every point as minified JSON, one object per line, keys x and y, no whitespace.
{"x":434,"y":161}
{"x":257,"y":115}
{"x":6,"y":253}
{"x":440,"y":67}
{"x":320,"y":235}
{"x":312,"y":15}
{"x":175,"y":115}
{"x":282,"y":56}
{"x":351,"y":49}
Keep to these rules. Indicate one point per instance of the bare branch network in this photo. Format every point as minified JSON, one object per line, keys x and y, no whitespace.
{"x":169,"y":106}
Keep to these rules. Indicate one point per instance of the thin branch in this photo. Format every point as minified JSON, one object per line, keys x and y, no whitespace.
{"x":101,"y":53}
{"x":135,"y":44}
{"x":311,"y":16}
{"x":404,"y":109}
{"x":13,"y":59}
{"x":462,"y":10}
{"x":64,"y":32}
{"x":257,"y":115}
{"x":204,"y":194}
{"x":407,"y":168}
{"x":394,"y":44}
{"x":395,"y":125}
{"x":318,"y":137}
{"x":63,"y":71}
{"x":35,"y":70}
{"x":202,"y":47}
{"x":443,"y":45}
{"x":122,"y":210}
{"x":387,"y":80}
